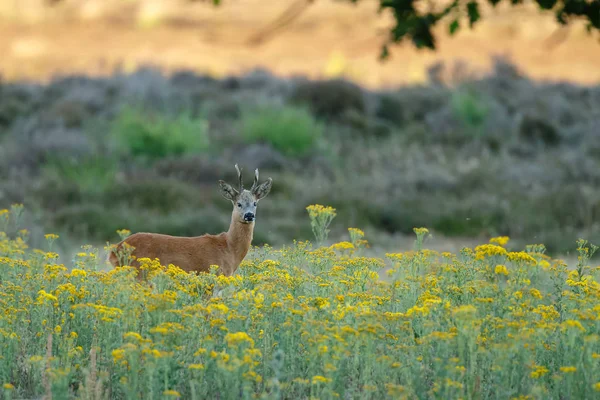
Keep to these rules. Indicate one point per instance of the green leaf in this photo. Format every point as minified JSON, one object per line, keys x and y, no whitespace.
{"x":546,"y":4}
{"x":454,"y":25}
{"x":473,"y":11}
{"x":385,"y":53}
{"x":421,"y":35}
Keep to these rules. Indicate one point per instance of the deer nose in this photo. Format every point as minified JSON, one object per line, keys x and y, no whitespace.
{"x":249,"y":217}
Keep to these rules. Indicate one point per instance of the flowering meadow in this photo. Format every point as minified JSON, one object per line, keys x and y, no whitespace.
{"x":301,"y":321}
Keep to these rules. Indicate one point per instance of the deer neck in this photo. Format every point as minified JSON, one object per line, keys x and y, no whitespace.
{"x":239,"y":238}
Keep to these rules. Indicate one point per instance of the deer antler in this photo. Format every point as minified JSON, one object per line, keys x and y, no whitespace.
{"x":239,"y":171}
{"x":255,"y":184}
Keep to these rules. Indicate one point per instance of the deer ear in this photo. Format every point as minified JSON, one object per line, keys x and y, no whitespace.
{"x":228,"y":191}
{"x":263,"y":189}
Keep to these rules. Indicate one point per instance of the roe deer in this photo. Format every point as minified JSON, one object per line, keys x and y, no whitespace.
{"x":227,"y":249}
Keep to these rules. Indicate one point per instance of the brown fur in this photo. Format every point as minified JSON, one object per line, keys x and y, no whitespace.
{"x":197,"y":254}
{"x":227,"y":249}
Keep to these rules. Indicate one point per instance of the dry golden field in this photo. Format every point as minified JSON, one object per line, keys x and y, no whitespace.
{"x":328,"y":38}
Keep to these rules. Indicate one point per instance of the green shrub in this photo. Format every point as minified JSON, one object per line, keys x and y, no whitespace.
{"x":151,"y":135}
{"x":469,"y":108}
{"x":293,"y":131}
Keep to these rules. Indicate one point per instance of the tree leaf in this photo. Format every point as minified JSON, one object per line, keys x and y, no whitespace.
{"x":546,"y":4}
{"x":593,"y":14}
{"x":385,"y":52}
{"x":422,"y":37}
{"x":473,"y":11}
{"x":454,"y":25}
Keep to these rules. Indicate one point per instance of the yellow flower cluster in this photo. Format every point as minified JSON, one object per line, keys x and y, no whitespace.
{"x":303,"y":322}
{"x":500,"y":240}
{"x":343,"y":246}
{"x":489,"y":250}
{"x":501,"y":270}
{"x":317,"y":210}
{"x":421,"y":231}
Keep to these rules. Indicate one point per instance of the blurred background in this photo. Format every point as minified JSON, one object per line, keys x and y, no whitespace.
{"x":125,"y":113}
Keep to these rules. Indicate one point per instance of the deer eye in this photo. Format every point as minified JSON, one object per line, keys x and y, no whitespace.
{"x":254,"y":204}
{"x":240,"y":205}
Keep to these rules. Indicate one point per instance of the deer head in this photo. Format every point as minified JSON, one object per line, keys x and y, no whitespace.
{"x":245,"y":201}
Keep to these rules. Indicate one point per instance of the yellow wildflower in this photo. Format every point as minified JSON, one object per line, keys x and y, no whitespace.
{"x":342,"y":246}
{"x":421,"y":231}
{"x":316,"y":210}
{"x":395,"y":256}
{"x":51,"y":256}
{"x":536,"y":293}
{"x":43,"y":295}
{"x":133,"y":335}
{"x":574,"y":324}
{"x":123,"y":233}
{"x":484,"y":300}
{"x":489,"y":250}
{"x":539,"y":371}
{"x":200,"y":352}
{"x":500,"y":240}
{"x":568,"y":369}
{"x":501,"y":270}
{"x":522,"y":257}
{"x":357,"y":232}
{"x":417,"y":310}
{"x":319,"y":379}
{"x":78,"y":272}
{"x":118,"y":354}
{"x":234,"y":339}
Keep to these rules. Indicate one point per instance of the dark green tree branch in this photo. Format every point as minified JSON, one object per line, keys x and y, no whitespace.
{"x":411,"y":23}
